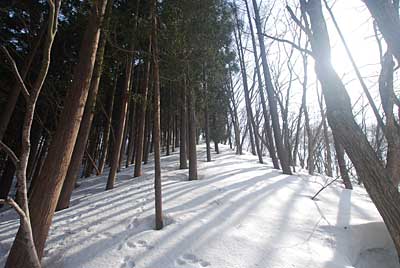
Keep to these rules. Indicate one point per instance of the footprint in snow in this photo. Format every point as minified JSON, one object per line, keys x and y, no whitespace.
{"x":133,"y":224}
{"x":128,"y":263}
{"x":191,"y":260}
{"x":139,"y":244}
{"x":103,"y":235}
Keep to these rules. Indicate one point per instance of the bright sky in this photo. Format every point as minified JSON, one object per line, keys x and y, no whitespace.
{"x":356,"y":24}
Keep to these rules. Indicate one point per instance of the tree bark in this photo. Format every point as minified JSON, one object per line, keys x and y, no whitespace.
{"x":84,"y":128}
{"x":192,"y":134}
{"x":119,"y":135}
{"x":183,"y":129}
{"x":271,"y":147}
{"x":283,"y":153}
{"x":376,"y":178}
{"x":255,"y":144}
{"x":142,"y":118}
{"x":26,"y":251}
{"x":107,"y":127}
{"x":157,"y":162}
{"x":342,"y":164}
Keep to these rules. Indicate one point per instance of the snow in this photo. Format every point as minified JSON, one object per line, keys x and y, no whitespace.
{"x":238,"y":214}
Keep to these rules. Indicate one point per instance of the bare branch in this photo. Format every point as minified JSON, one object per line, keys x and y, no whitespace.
{"x":290,"y":43}
{"x":9,"y":152}
{"x":298,"y":22}
{"x":17,"y":74}
{"x":9,"y":201}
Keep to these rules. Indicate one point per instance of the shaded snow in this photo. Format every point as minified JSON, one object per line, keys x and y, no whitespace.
{"x":239,"y":214}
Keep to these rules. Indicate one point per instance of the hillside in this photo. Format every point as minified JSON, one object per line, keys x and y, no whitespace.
{"x":238,"y":214}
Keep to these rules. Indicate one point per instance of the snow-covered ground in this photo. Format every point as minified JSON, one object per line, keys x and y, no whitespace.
{"x":239,"y":214}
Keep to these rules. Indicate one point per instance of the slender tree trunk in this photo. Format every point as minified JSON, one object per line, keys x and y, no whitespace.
{"x":132,"y":127}
{"x":122,"y":151}
{"x":283,"y":153}
{"x":157,"y":165}
{"x":142,"y":118}
{"x":148,"y":129}
{"x":270,"y":139}
{"x":328,"y":157}
{"x":255,"y":144}
{"x":192,"y":134}
{"x":119,"y":135}
{"x":27,"y":250}
{"x":206,"y":116}
{"x":183,"y":128}
{"x":234,"y":115}
{"x":342,"y":164}
{"x":12,"y":99}
{"x":107,"y":127}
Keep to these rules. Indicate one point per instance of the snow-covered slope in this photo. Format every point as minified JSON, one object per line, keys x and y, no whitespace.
{"x":238,"y":214}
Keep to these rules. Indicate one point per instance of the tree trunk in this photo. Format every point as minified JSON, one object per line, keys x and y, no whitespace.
{"x":132,"y":132}
{"x":255,"y":144}
{"x":107,"y":127}
{"x":283,"y":153}
{"x":157,"y":162}
{"x":192,"y":134}
{"x":206,"y":117}
{"x":376,"y":178}
{"x":148,"y":129}
{"x":119,"y":135}
{"x":142,"y":119}
{"x":15,"y":91}
{"x":84,"y":129}
{"x":385,"y":13}
{"x":26,"y":251}
{"x":270,"y":139}
{"x":342,"y":164}
{"x":183,"y":129}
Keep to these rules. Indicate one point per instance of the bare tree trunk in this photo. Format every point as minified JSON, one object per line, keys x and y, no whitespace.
{"x":192,"y":134}
{"x":124,"y":138}
{"x":183,"y":129}
{"x":25,"y":251}
{"x":391,"y":128}
{"x":283,"y":153}
{"x":148,"y":129}
{"x":342,"y":164}
{"x":376,"y":178}
{"x":385,"y":13}
{"x":328,"y":164}
{"x":206,"y":119}
{"x":12,"y":99}
{"x":121,"y":123}
{"x":107,"y":127}
{"x":84,"y":129}
{"x":234,"y":115}
{"x":132,"y":128}
{"x":249,"y":110}
{"x":157,"y":165}
{"x":270,"y":139}
{"x":142,"y":118}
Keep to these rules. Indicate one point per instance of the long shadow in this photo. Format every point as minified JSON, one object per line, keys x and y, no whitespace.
{"x":233,"y":190}
{"x":199,"y":232}
{"x":237,"y":209}
{"x":342,"y":224}
{"x":283,"y":225}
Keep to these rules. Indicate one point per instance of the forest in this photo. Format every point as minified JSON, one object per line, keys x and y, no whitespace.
{"x":199,"y":133}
